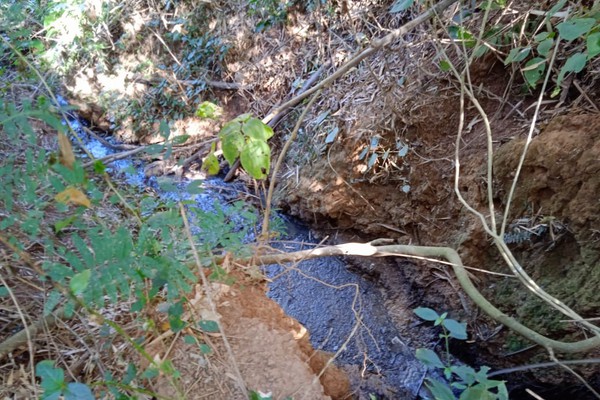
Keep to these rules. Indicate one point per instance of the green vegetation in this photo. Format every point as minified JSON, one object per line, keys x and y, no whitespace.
{"x":471,"y":384}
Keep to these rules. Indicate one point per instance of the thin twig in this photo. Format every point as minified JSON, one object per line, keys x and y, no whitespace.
{"x":288,"y":143}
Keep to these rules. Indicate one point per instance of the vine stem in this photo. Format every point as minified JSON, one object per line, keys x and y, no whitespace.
{"x":288,"y":143}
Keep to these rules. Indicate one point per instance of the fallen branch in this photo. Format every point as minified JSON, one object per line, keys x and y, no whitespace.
{"x":371,"y":250}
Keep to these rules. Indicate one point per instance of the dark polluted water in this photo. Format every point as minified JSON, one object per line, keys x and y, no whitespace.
{"x":343,"y":312}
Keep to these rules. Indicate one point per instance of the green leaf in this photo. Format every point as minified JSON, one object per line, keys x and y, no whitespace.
{"x":544,"y":47}
{"x":62,"y":224}
{"x":232,"y":141}
{"x":205,"y":349}
{"x":189,"y":339}
{"x":593,"y":45}
{"x":206,"y":109}
{"x":555,"y":9}
{"x":211,"y":164}
{"x":164,"y":129}
{"x":80,"y":281}
{"x":260,"y":396}
{"x":517,"y":55}
{"x":575,"y":63}
{"x":426,"y":313}
{"x":477,"y":392}
{"x":181,"y":139}
{"x":151,"y":372}
{"x":209,"y":326}
{"x":78,"y":391}
{"x":99,"y":167}
{"x":439,"y":390}
{"x":256,"y":158}
{"x":457,"y":330}
{"x":401,"y":5}
{"x":429,"y":358}
{"x":154,"y":149}
{"x":53,"y":379}
{"x":445,"y":66}
{"x":256,"y":129}
{"x":540,"y":37}
{"x":534,"y":70}
{"x":4,"y":291}
{"x":575,"y":28}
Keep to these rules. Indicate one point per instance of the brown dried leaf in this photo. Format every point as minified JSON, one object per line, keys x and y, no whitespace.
{"x":66,"y":156}
{"x":74,"y":196}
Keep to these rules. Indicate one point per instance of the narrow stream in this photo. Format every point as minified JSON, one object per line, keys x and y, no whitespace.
{"x":343,"y":312}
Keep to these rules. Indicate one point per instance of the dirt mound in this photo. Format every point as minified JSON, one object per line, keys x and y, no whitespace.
{"x":271,"y":351}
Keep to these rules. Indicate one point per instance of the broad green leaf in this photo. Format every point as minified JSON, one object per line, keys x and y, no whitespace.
{"x":575,"y":63}
{"x":445,"y":66}
{"x":209,"y":326}
{"x":426,"y":313}
{"x":544,"y":47}
{"x":457,"y":330}
{"x":517,"y":54}
{"x":180,"y":139}
{"x":439,"y":390}
{"x":211,"y":164}
{"x":53,"y":379}
{"x":256,"y":158}
{"x":465,"y":373}
{"x":593,"y":45}
{"x":575,"y":28}
{"x":477,"y":392}
{"x":533,"y":71}
{"x":232,"y":141}
{"x":540,"y":37}
{"x":401,"y":5}
{"x":3,"y":291}
{"x":429,"y":358}
{"x":78,"y":391}
{"x":80,"y":282}
{"x":256,"y":129}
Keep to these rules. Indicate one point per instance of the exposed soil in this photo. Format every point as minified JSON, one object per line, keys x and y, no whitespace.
{"x":271,"y":350}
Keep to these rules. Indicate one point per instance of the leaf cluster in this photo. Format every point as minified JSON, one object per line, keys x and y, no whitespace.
{"x":470,"y":384}
{"x":244,"y":137}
